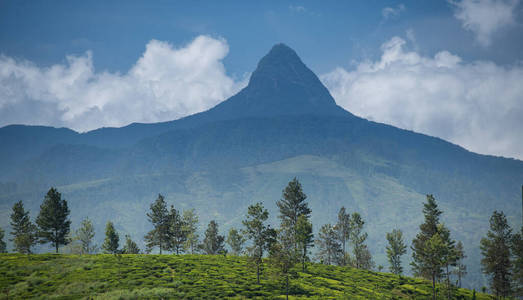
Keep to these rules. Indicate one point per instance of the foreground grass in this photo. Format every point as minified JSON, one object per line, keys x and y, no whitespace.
{"x":191,"y":276}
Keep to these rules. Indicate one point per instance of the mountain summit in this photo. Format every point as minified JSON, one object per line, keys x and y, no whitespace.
{"x":281,"y":85}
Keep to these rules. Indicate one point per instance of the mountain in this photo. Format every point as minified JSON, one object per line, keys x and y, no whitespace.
{"x":244,"y":150}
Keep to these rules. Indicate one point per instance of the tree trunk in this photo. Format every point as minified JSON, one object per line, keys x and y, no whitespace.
{"x":287,"y":296}
{"x":448,"y":283}
{"x":258,"y":272}
{"x":303,"y":259}
{"x":344,"y":255}
{"x":433,"y":287}
{"x":56,"y":241}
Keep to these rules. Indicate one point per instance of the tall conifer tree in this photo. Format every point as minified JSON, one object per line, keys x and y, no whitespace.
{"x":460,"y":269}
{"x":24,"y":231}
{"x":213,"y":241}
{"x":432,"y":246}
{"x":305,"y":239}
{"x":258,"y":233}
{"x":53,"y":220}
{"x":291,"y":207}
{"x":495,"y":249}
{"x":176,"y":231}
{"x":395,"y":250}
{"x":343,"y":227}
{"x":328,"y":245}
{"x":362,"y":257}
{"x":85,"y":235}
{"x":159,"y":217}
{"x":190,"y":220}
{"x":112,"y":239}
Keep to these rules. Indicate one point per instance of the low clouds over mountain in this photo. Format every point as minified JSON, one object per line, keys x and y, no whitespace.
{"x":165,"y":83}
{"x":474,"y":104}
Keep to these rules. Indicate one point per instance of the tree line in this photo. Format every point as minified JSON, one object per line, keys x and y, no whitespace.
{"x":435,"y":255}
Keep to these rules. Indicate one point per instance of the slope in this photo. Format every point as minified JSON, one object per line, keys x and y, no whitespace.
{"x":194,"y":277}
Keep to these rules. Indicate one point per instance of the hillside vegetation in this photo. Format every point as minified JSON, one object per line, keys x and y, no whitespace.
{"x":193,"y":277}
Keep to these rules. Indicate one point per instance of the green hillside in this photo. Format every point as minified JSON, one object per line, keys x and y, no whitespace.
{"x":224,"y":195}
{"x":192,"y":277}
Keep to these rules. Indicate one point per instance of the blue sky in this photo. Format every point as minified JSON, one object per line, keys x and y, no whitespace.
{"x":325,"y":33}
{"x":446,"y":68}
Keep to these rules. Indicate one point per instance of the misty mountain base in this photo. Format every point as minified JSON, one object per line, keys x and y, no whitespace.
{"x":108,"y":276}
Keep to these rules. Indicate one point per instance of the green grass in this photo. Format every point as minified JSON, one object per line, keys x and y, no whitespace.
{"x":191,"y":277}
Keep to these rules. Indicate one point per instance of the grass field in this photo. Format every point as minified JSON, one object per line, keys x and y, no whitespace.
{"x":192,"y":277}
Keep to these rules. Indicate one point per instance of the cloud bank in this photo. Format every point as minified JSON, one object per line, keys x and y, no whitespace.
{"x":477,"y":105}
{"x":485,"y":17}
{"x":165,"y":83}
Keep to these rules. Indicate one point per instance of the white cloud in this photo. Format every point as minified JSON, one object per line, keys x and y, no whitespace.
{"x":485,"y":17}
{"x":166,"y":83}
{"x":392,"y":12}
{"x":477,"y":105}
{"x":297,"y":8}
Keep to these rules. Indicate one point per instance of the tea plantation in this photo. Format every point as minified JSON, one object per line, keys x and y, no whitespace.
{"x":193,"y":277}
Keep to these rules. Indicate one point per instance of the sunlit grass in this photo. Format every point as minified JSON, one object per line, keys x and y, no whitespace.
{"x":106,"y":276}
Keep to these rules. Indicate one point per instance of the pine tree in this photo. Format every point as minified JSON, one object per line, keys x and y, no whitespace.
{"x":495,"y":249}
{"x":461,"y":269}
{"x":450,"y":257}
{"x":159,"y":217}
{"x":235,"y":240}
{"x":53,"y":221}
{"x":24,"y":231}
{"x":291,"y":207}
{"x":434,"y":250}
{"x":85,"y":235}
{"x":258,"y":233}
{"x":329,"y":247}
{"x":517,"y":251}
{"x":427,"y":230}
{"x":343,"y":227}
{"x":213,"y":241}
{"x":429,"y":248}
{"x":176,"y":231}
{"x":282,"y":256}
{"x":130,"y":246}
{"x":395,"y":250}
{"x":305,"y":239}
{"x":362,"y":257}
{"x":190,"y":220}
{"x":3,"y":246}
{"x":111,"y":242}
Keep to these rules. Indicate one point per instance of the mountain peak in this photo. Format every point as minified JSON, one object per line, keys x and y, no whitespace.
{"x":280,"y":53}
{"x":280,"y":64}
{"x":281,"y":85}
